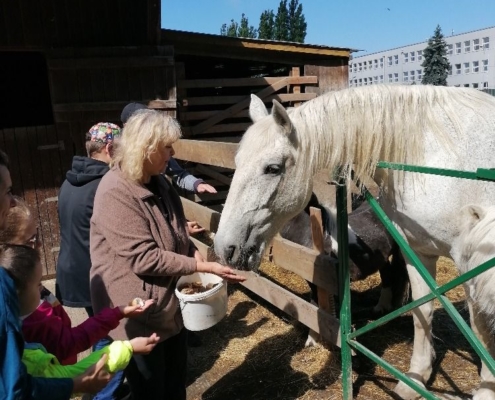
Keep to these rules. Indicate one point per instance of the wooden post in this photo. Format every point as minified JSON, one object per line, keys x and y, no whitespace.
{"x":296,"y":88}
{"x":325,"y":299}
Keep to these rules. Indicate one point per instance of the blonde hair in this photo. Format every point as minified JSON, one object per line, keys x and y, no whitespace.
{"x":142,"y":134}
{"x":18,"y":219}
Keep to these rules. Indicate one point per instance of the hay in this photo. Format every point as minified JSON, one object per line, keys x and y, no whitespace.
{"x":257,"y":351}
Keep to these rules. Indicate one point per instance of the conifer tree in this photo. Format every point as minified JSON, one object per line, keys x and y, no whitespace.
{"x":289,"y":24}
{"x":267,"y":24}
{"x":436,"y":65}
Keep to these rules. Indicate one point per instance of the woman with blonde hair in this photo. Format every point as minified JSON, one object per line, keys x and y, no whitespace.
{"x":140,"y":247}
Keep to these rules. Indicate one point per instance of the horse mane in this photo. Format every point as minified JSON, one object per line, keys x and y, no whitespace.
{"x":357,"y":127}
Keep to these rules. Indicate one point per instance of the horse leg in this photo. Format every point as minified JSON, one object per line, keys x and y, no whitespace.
{"x":423,"y":352}
{"x":393,"y":275}
{"x":481,"y":329}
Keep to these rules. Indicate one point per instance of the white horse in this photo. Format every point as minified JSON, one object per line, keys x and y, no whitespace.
{"x":474,"y":246}
{"x":423,"y":125}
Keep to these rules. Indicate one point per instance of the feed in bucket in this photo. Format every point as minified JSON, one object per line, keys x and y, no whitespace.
{"x":207,"y":305}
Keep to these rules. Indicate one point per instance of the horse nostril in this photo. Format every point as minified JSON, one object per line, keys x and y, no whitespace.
{"x":251,"y":250}
{"x":230,"y":253}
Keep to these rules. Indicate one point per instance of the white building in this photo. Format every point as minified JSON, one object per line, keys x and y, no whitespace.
{"x":471,"y":54}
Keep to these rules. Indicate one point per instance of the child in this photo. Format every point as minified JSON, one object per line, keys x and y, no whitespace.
{"x":49,"y":324}
{"x":24,"y":266}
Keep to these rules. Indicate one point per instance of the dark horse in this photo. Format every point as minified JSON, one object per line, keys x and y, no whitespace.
{"x":371,"y":249}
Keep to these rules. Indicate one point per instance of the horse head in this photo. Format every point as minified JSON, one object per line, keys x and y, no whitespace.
{"x":267,"y":189}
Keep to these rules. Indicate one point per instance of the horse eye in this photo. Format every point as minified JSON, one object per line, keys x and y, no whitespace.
{"x":273,"y":169}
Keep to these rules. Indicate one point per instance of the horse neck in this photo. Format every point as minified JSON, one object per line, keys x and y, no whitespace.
{"x":358,"y":128}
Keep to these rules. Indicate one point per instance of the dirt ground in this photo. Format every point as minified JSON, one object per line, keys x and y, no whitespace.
{"x":257,"y":352}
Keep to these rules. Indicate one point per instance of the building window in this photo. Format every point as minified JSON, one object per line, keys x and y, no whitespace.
{"x":450,"y":49}
{"x":467,"y":68}
{"x":406,"y":57}
{"x":485,"y":65}
{"x":396,"y":77}
{"x":412,"y":76}
{"x":381,"y":62}
{"x":458,"y":48}
{"x":390,"y":60}
{"x":375,"y":80}
{"x":376,"y":64}
{"x":405,"y":76}
{"x":413,"y":58}
{"x":486,"y":43}
{"x":458,"y":69}
{"x":350,"y":67}
{"x":350,"y":83}
{"x":475,"y":85}
{"x":476,"y":66}
{"x":467,"y":46}
{"x":485,"y":85}
{"x":360,"y":66}
{"x":365,"y":81}
{"x":419,"y":74}
{"x":390,"y":78}
{"x":476,"y":44}
{"x":420,"y":55}
{"x":360,"y":82}
{"x":396,"y":59}
{"x":466,"y":85}
{"x":364,"y":66}
{"x":370,"y":64}
{"x":355,"y":82}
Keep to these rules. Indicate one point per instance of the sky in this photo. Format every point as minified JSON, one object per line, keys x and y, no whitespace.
{"x":365,"y":25}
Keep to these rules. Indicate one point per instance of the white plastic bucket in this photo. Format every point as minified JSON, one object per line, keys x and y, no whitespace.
{"x":202,"y":310}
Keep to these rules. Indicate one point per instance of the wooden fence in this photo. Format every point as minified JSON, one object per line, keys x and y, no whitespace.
{"x":312,"y":265}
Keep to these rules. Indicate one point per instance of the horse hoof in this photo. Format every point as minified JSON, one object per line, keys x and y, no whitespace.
{"x":311,"y":342}
{"x":405,"y":392}
{"x":484,"y":394}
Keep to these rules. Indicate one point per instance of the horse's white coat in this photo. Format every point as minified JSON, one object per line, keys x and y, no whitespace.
{"x":425,"y":125}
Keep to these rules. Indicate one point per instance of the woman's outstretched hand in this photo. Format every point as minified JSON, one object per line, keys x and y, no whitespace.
{"x":227,"y":273}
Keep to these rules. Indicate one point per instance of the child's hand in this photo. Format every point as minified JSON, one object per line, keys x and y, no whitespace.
{"x":134,"y":311}
{"x":143,"y":345}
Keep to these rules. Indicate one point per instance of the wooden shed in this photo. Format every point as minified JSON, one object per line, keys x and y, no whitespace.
{"x":67,"y":65}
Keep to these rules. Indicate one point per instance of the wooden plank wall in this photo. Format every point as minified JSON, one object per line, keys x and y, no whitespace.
{"x":91,"y":85}
{"x":28,"y":24}
{"x":225,"y":117}
{"x":37,"y":169}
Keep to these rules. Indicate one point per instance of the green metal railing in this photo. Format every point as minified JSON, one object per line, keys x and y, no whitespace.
{"x":348,"y":337}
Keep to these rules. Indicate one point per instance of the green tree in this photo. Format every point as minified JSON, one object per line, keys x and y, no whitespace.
{"x":289,"y":24}
{"x":245,"y":30}
{"x":266,"y":26}
{"x":281,"y":26}
{"x":436,"y":65}
{"x":242,"y":29}
{"x":296,"y":22}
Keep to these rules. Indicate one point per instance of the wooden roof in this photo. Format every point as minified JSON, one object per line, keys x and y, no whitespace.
{"x":191,"y":43}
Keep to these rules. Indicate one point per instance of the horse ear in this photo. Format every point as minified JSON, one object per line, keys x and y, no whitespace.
{"x":475,"y":213}
{"x":257,"y":109}
{"x":281,"y":117}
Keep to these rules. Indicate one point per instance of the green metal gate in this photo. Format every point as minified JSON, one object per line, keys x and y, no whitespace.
{"x":348,"y":337}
